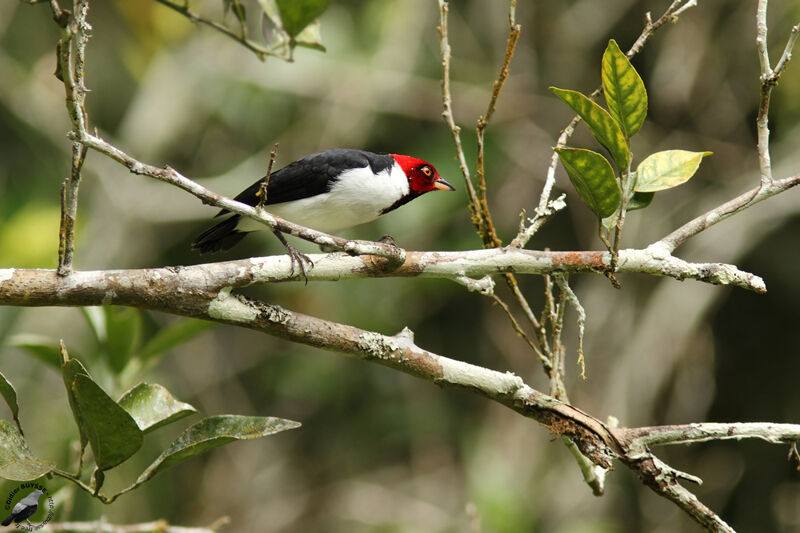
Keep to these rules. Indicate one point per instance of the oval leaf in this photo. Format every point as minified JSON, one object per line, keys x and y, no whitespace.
{"x":212,"y":432}
{"x":604,"y":128}
{"x":17,"y":463}
{"x":593,"y":178}
{"x":297,"y":14}
{"x":152,"y":406}
{"x":69,"y":370}
{"x":664,"y":170}
{"x":624,"y":90}
{"x":113,"y":434}
{"x":10,"y":396}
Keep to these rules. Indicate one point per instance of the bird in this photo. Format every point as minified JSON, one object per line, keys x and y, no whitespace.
{"x":25,"y":508}
{"x":327,"y":191}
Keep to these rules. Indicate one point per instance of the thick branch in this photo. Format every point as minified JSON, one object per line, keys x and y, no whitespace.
{"x":184,"y":291}
{"x":337,"y":266}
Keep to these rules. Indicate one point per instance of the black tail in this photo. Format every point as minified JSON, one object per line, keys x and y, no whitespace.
{"x":219,"y":238}
{"x":9,"y":519}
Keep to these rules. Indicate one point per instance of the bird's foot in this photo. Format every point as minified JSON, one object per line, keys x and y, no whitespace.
{"x":299,"y":258}
{"x":296,"y":257}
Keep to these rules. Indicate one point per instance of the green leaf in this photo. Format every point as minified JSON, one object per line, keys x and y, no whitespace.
{"x":604,"y":128}
{"x":297,"y":14}
{"x":311,"y":37}
{"x":152,"y":406}
{"x":593,"y":178}
{"x":212,"y":432}
{"x":10,"y":396}
{"x":664,"y":170}
{"x":123,"y":329}
{"x":624,"y":90}
{"x":70,"y":369}
{"x":41,"y":347}
{"x":173,"y":335}
{"x":17,"y":463}
{"x":640,"y":200}
{"x":113,"y":434}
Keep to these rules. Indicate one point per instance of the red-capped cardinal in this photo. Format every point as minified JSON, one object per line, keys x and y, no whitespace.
{"x":328,"y":191}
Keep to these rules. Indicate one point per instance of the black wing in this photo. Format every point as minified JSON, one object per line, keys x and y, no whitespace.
{"x":311,"y":175}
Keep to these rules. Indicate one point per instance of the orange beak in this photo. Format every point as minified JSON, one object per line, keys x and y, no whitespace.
{"x":442,"y":185}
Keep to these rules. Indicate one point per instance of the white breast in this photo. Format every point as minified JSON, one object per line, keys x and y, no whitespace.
{"x":358,"y":196}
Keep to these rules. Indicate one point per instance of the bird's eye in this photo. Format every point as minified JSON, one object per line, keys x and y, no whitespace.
{"x":427,"y":171}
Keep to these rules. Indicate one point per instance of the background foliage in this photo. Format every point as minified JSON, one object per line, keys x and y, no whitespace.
{"x":380,"y":451}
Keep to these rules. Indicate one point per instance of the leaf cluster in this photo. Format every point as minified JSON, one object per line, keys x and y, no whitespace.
{"x":604,"y":190}
{"x":115,"y":429}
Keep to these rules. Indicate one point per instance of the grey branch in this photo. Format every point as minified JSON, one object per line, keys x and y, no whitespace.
{"x":338,"y":266}
{"x":186,"y":291}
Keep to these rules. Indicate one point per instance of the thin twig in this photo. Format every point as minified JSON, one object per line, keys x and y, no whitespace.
{"x":447,"y":102}
{"x":394,"y":254}
{"x":260,"y":51}
{"x":787,"y":51}
{"x":562,"y":280}
{"x":262,"y":191}
{"x":726,"y":210}
{"x":487,"y":230}
{"x":71,"y":55}
{"x":768,"y":81}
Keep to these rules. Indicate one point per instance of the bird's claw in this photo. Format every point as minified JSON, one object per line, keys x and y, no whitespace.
{"x":298,"y":258}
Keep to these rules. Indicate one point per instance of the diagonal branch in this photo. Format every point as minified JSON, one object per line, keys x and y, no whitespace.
{"x":726,"y":210}
{"x":182,"y":291}
{"x":173,"y":177}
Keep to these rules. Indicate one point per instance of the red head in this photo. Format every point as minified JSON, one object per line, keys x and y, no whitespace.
{"x":422,"y":177}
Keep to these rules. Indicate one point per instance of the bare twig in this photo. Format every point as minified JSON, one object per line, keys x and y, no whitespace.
{"x":262,"y":191}
{"x":71,"y":50}
{"x":487,"y":230}
{"x":769,"y":78}
{"x":563,"y":286}
{"x":447,"y":101}
{"x":172,"y":176}
{"x":260,"y":51}
{"x":728,"y":209}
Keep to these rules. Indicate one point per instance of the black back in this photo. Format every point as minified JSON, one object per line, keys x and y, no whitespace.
{"x":313,"y":174}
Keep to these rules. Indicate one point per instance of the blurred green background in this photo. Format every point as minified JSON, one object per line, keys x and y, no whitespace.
{"x":381,"y":451}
